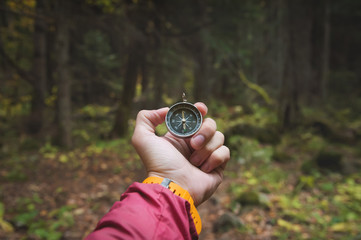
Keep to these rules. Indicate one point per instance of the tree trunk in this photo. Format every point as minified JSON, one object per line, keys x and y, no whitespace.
{"x":202,"y":83}
{"x":125,"y":105}
{"x":297,"y":68}
{"x":39,"y":71}
{"x":64,"y":80}
{"x":280,"y":41}
{"x":326,"y":50}
{"x":289,"y":111}
{"x":317,"y":84}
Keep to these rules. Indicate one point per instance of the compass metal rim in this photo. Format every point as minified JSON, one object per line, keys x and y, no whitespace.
{"x":183,"y":135}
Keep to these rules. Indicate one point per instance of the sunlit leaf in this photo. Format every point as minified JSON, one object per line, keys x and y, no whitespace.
{"x":288,"y":225}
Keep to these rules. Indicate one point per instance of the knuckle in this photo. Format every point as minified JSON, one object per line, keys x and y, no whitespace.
{"x":227,"y":153}
{"x":141,"y":113}
{"x":223,"y":154}
{"x":218,"y":157}
{"x":212,"y":123}
{"x":220,"y":136}
{"x":134,"y":140}
{"x":209,"y":125}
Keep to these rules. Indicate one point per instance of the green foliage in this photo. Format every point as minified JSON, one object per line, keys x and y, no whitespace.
{"x":313,"y":143}
{"x":348,"y":198}
{"x":97,"y":52}
{"x":49,"y":150}
{"x":261,"y":116}
{"x":253,"y":198}
{"x":4,"y":225}
{"x":47,"y":225}
{"x":249,"y":150}
{"x":93,"y":111}
{"x":10,"y":108}
{"x":120,"y":146}
{"x":95,"y":122}
{"x":16,"y":174}
{"x":333,"y":213}
{"x":305,"y":182}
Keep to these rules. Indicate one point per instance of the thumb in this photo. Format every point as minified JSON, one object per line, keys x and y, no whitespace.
{"x":148,"y":120}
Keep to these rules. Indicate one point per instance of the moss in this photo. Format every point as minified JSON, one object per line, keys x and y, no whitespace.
{"x":249,"y":198}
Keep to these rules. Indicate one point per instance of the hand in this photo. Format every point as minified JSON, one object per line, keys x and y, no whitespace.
{"x":195,"y":163}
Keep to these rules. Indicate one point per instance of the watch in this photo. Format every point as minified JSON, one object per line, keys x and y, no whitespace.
{"x":179,"y":191}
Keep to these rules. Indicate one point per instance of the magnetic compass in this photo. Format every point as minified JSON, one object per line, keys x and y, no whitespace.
{"x":183,"y":119}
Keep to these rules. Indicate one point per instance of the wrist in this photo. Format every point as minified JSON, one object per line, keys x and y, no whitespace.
{"x":176,"y":179}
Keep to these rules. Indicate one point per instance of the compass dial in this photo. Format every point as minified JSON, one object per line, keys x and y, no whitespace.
{"x":183,"y":119}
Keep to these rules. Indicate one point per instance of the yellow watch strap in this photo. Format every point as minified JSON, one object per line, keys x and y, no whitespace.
{"x":179,"y":191}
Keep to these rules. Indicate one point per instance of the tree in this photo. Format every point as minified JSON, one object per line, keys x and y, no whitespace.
{"x":125,"y":105}
{"x":63,"y":74}
{"x":135,"y":57}
{"x":39,"y":68}
{"x":297,"y":68}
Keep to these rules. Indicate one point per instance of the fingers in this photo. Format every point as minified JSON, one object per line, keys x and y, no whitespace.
{"x":218,"y":158}
{"x":147,"y":121}
{"x":198,"y":157}
{"x":204,"y":135}
{"x":210,"y":153}
{"x":202,"y":108}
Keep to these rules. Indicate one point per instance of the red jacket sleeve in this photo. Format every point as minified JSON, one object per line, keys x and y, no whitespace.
{"x":147,"y":211}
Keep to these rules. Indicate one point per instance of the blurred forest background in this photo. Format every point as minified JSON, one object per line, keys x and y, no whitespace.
{"x":282,"y":79}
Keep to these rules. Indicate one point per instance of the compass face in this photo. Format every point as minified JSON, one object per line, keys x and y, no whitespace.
{"x":183,"y":119}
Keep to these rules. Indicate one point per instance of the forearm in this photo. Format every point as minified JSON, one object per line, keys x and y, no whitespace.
{"x":147,"y":211}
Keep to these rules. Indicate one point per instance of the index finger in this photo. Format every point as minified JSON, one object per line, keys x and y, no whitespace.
{"x":202,"y":108}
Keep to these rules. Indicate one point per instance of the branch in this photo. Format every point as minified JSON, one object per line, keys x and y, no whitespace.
{"x":256,"y":88}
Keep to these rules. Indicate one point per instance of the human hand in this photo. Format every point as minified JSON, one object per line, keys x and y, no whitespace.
{"x":195,"y":163}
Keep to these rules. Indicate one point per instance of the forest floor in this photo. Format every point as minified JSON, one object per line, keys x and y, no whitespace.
{"x":56,"y":196}
{"x":292,"y":188}
{"x":62,"y":195}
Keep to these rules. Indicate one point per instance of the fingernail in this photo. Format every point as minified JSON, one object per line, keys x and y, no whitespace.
{"x":198,"y":140}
